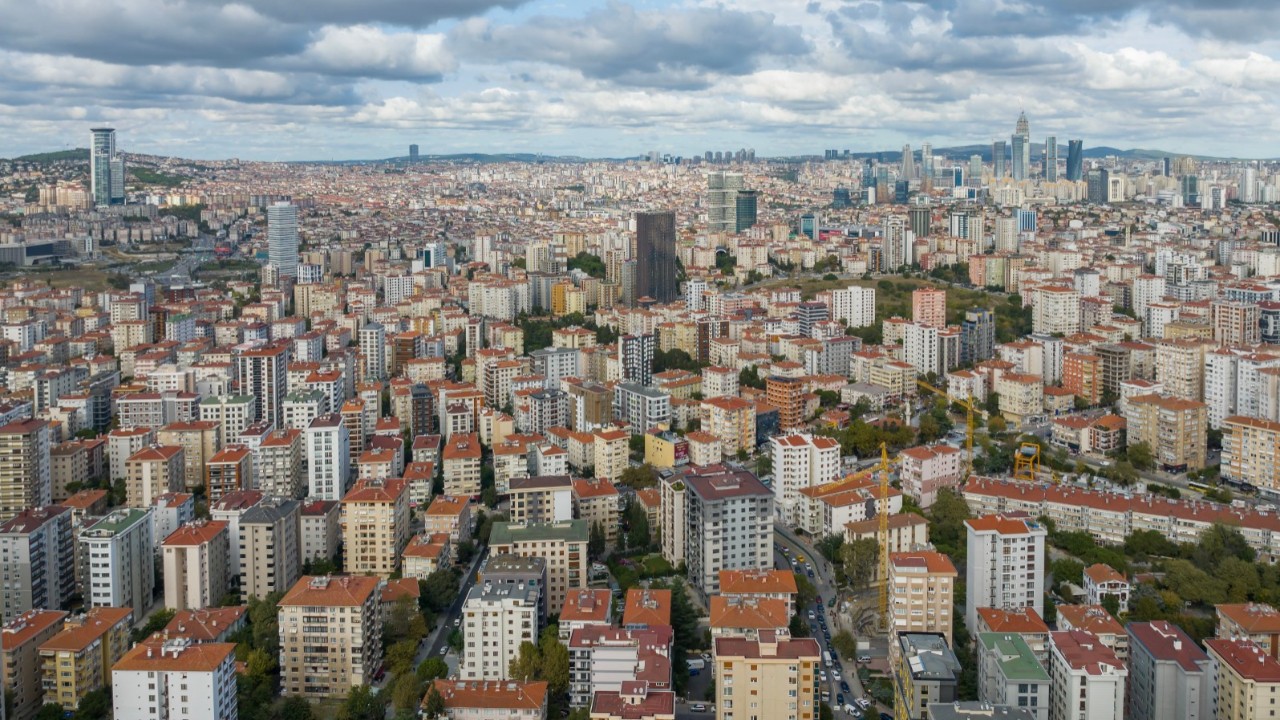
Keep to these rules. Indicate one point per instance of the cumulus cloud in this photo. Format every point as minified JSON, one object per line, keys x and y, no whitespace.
{"x":368,"y":51}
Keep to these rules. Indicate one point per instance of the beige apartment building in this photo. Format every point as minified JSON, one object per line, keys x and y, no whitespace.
{"x":450,"y":515}
{"x":611,"y":453}
{"x":545,"y":499}
{"x":1247,"y":685}
{"x":921,"y":585}
{"x":733,"y":421}
{"x":766,"y":678}
{"x":1021,"y":396}
{"x":1175,"y":428}
{"x":1180,"y":366}
{"x":1251,"y":451}
{"x":375,"y":526}
{"x":330,"y":635}
{"x":230,"y":470}
{"x":279,"y":464}
{"x":461,"y":464}
{"x":197,"y":565}
{"x":562,"y":544}
{"x":78,"y":660}
{"x":20,"y":669}
{"x":596,"y":501}
{"x":152,"y":472}
{"x":270,"y":547}
{"x":199,"y":440}
{"x":25,"y":479}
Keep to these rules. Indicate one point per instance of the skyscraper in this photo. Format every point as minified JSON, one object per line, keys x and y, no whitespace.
{"x":413,"y":153}
{"x":745,"y":216}
{"x":282,"y":237}
{"x":1021,"y":146}
{"x":106,"y":168}
{"x":722,"y":200}
{"x":1075,"y":160}
{"x":926,"y":162}
{"x":1051,"y":159}
{"x":908,"y":163}
{"x":656,"y":256}
{"x":999,"y":154}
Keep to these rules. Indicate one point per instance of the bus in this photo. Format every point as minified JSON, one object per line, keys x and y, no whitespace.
{"x":826,"y":658}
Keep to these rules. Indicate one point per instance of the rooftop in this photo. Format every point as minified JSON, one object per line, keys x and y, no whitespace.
{"x":1084,"y":651}
{"x":330,"y":591}
{"x":647,"y":607}
{"x":175,"y":655}
{"x":757,"y":582}
{"x":566,"y":530}
{"x":1167,"y":642}
{"x":492,"y":694}
{"x":1016,"y":658}
{"x":1246,"y":659}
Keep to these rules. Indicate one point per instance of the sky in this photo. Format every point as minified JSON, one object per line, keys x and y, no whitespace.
{"x":338,"y":80}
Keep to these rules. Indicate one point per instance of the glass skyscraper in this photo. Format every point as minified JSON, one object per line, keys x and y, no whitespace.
{"x":656,"y":256}
{"x":1075,"y":160}
{"x":282,"y":238}
{"x":1021,"y":146}
{"x":1051,"y":159}
{"x":106,"y":168}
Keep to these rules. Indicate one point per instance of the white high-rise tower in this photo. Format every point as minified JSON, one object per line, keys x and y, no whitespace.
{"x":282,"y":238}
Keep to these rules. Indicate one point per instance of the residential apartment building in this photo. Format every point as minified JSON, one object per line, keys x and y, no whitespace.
{"x":118,"y":558}
{"x":21,"y":674}
{"x":562,"y":544}
{"x":492,"y":700}
{"x":1169,"y":675}
{"x":801,"y":461}
{"x":270,"y":547}
{"x":926,"y":469}
{"x":921,"y":585}
{"x":78,"y":660}
{"x":1005,"y":564}
{"x":1258,"y":623}
{"x":229,"y":470}
{"x":25,"y":479}
{"x":496,"y":619}
{"x":449,"y":515}
{"x":197,"y":565}
{"x":1246,"y":680}
{"x":1251,"y":452}
{"x":330,"y":635}
{"x":606,"y":659}
{"x":37,"y":561}
{"x":461,"y":462}
{"x":780,"y":672}
{"x":1088,"y":680}
{"x":328,"y":450}
{"x":279,"y":464}
{"x":728,"y":525}
{"x":199,"y":440}
{"x":1175,"y":428}
{"x":610,"y":454}
{"x":925,"y":670}
{"x":175,"y":678}
{"x":375,"y":526}
{"x":1009,"y":673}
{"x":321,"y":521}
{"x":597,"y":502}
{"x":767,"y":584}
{"x":733,"y":421}
{"x":541,"y":499}
{"x":153,"y":471}
{"x":672,"y":515}
{"x":1102,"y":581}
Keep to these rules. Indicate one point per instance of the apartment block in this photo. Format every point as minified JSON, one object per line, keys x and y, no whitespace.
{"x":449,"y":515}
{"x":728,"y":525}
{"x":321,"y":522}
{"x":1005,"y":565}
{"x":780,"y":672}
{"x":492,"y":699}
{"x":801,"y":461}
{"x":1258,"y":623}
{"x":37,"y":561}
{"x":25,"y":479}
{"x":1102,"y":581}
{"x":733,"y":421}
{"x":926,"y":469}
{"x":197,"y":565}
{"x":596,"y":501}
{"x":541,"y":499}
{"x":21,"y":674}
{"x":1246,"y":679}
{"x":375,"y":526}
{"x":1009,"y":673}
{"x":767,"y":584}
{"x":461,"y":462}
{"x":1175,"y":428}
{"x":118,"y":557}
{"x":175,"y":678}
{"x":672,"y":518}
{"x":270,"y":558}
{"x":153,"y":471}
{"x":330,"y":635}
{"x":925,"y":670}
{"x":1088,"y":679}
{"x":78,"y":660}
{"x":496,"y":619}
{"x":921,"y":585}
{"x":562,"y":544}
{"x":1169,"y":675}
{"x":328,"y":451}
{"x":606,"y":659}
{"x":199,"y":440}
{"x":279,"y":463}
{"x":1251,"y":452}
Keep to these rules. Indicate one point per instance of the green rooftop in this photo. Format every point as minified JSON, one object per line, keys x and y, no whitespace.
{"x":226,"y":399}
{"x":1017,"y":660}
{"x":508,"y":533}
{"x":116,"y":522}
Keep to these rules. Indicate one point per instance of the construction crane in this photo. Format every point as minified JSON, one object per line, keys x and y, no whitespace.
{"x":1026,"y":463}
{"x":884,"y":537}
{"x":970,"y":411}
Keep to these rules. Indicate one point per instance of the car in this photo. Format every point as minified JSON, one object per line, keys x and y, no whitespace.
{"x":706,"y":656}
{"x":697,"y":707}
{"x":886,"y":716}
{"x":826,"y":695}
{"x":852,"y":711}
{"x":864,"y":703}
{"x":839,"y":698}
{"x":444,"y":650}
{"x":810,"y":614}
{"x":457,"y":622}
{"x":831,"y":602}
{"x":810,"y":573}
{"x":864,"y":659}
{"x":844,"y":685}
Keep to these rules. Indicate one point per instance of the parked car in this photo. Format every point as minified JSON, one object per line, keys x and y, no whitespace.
{"x":864,"y":659}
{"x":698,"y":707}
{"x":844,"y":685}
{"x":839,"y":698}
{"x":852,"y":711}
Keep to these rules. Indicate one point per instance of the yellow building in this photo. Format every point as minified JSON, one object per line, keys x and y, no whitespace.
{"x":921,"y":585}
{"x":1021,"y":396}
{"x":567,"y":299}
{"x":78,"y":660}
{"x":1247,"y":682}
{"x":766,"y":678}
{"x":665,"y":449}
{"x":375,"y":526}
{"x":733,"y":420}
{"x":1251,"y":451}
{"x":1176,"y":429}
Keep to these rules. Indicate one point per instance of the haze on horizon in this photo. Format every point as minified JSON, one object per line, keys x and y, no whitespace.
{"x":336,"y":80}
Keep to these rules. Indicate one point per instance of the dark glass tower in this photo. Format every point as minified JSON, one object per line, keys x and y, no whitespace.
{"x":1075,"y":160}
{"x":656,"y":256}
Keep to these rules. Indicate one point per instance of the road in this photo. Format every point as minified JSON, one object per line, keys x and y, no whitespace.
{"x":180,"y":274}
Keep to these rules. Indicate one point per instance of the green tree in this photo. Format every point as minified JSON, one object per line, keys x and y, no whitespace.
{"x":293,"y":707}
{"x":432,"y":668}
{"x":595,"y":541}
{"x":1239,"y":578}
{"x":527,"y":663}
{"x":1145,"y":544}
{"x":434,"y":707}
{"x":859,"y":560}
{"x":946,"y":523}
{"x":49,"y":711}
{"x":587,"y":263}
{"x":1140,"y":455}
{"x":157,"y":622}
{"x":1067,"y":570}
{"x":1217,"y":543}
{"x":362,"y":704}
{"x":1192,"y":584}
{"x":638,"y":477}
{"x":406,"y":694}
{"x":845,"y":644}
{"x":750,"y":377}
{"x":439,"y":589}
{"x":554,"y":664}
{"x":829,"y":546}
{"x":639,"y":534}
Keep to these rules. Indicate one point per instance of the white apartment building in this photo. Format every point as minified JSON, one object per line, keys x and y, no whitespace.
{"x":671,"y":518}
{"x":175,"y":678}
{"x":495,"y":620}
{"x":719,"y":382}
{"x":197,"y":567}
{"x":1087,"y":679}
{"x":1056,"y":310}
{"x":801,"y":461}
{"x":855,"y":305}
{"x":328,"y":451}
{"x":118,"y":556}
{"x":1005,"y":565}
{"x":728,"y":525}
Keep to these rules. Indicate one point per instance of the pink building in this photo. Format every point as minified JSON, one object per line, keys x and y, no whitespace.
{"x":929,"y":307}
{"x":926,"y":469}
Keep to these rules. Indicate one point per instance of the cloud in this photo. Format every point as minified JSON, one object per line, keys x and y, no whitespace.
{"x":675,"y":48}
{"x":368,"y":51}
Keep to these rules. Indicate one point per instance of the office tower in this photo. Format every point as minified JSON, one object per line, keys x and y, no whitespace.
{"x":908,"y":163}
{"x":957,"y":176}
{"x":505,"y":616}
{"x":330,"y":635}
{"x":1096,"y":190}
{"x":728,"y":525}
{"x":975,"y":168}
{"x":977,"y":336}
{"x":901,"y":192}
{"x":1021,"y":146}
{"x":119,"y":558}
{"x":810,"y":223}
{"x":926,"y":162}
{"x":1005,"y":567}
{"x":37,"y":555}
{"x":106,"y":168}
{"x":747,"y":202}
{"x":1075,"y":160}
{"x":722,"y":194}
{"x":25,"y":478}
{"x":1166,"y":167}
{"x":919,"y":218}
{"x":158,"y":678}
{"x":841,"y":198}
{"x":656,"y":255}
{"x":999,"y":156}
{"x":282,"y":238}
{"x":413,"y":153}
{"x":635,"y":357}
{"x":1051,"y":159}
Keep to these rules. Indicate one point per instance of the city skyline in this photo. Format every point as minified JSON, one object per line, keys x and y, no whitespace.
{"x":263,"y":81}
